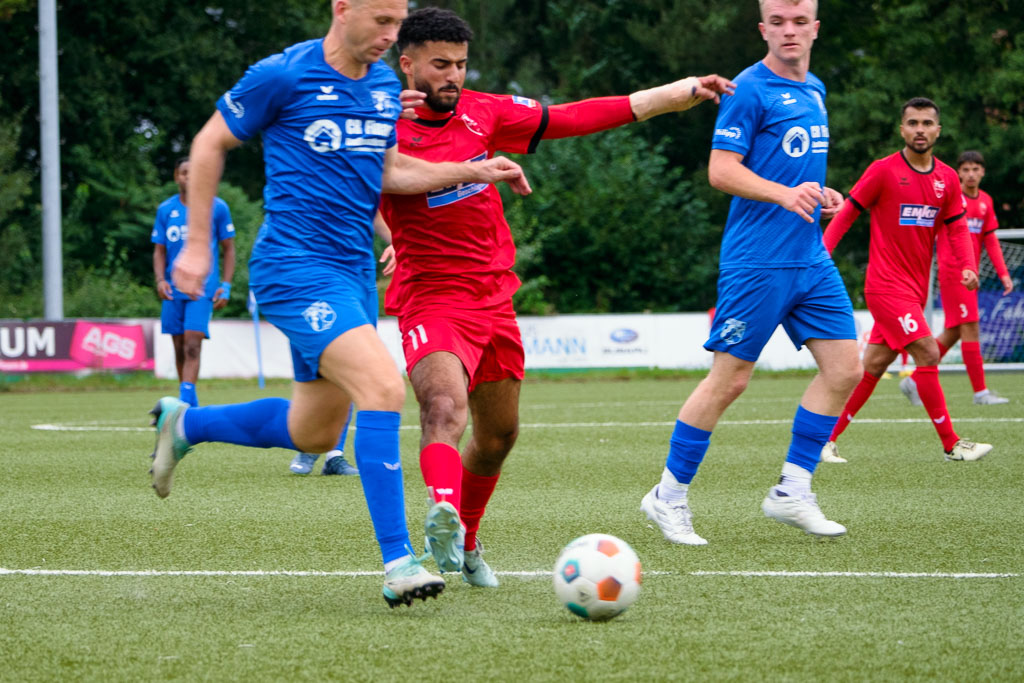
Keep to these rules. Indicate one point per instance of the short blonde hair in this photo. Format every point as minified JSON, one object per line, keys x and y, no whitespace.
{"x":760,"y":4}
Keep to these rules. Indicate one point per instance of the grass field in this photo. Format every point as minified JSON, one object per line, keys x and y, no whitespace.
{"x":247,"y":572}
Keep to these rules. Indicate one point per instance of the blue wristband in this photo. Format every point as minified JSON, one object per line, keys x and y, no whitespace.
{"x":226,"y":294}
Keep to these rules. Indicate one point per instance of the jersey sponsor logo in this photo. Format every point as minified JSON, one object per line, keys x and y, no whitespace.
{"x":730,"y":133}
{"x":230,"y":228}
{"x":327,"y":94}
{"x":323,"y":135}
{"x":175,"y":233}
{"x":456,"y":193}
{"x":733,"y":331}
{"x":524,"y":101}
{"x":940,"y":187}
{"x":235,"y":108}
{"x":386,"y":104}
{"x":796,"y":142}
{"x":975,"y":225}
{"x":320,"y":316}
{"x":920,"y":215}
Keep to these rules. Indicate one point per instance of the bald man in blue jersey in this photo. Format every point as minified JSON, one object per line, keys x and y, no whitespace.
{"x":769,"y":151}
{"x":326,"y":110}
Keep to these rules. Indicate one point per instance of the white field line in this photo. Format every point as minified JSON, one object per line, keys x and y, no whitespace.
{"x":526,"y":574}
{"x":109,"y":427}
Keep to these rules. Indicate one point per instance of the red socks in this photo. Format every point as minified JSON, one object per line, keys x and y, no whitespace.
{"x":476,"y":491}
{"x":856,"y":401}
{"x":441,"y":466}
{"x":930,"y":391}
{"x":975,"y":365}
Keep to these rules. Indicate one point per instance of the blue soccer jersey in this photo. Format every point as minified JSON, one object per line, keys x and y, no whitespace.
{"x":171,"y":230}
{"x":324,"y":140}
{"x":780,"y":127}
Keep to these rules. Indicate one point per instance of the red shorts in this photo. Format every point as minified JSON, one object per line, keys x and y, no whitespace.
{"x":487,"y":341}
{"x":959,"y":303}
{"x":898,"y":322}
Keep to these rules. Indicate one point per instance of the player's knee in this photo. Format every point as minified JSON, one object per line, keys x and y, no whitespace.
{"x":927,"y":356}
{"x":386,"y":394}
{"x":847,"y":378}
{"x":496,"y":445}
{"x":443,"y":411}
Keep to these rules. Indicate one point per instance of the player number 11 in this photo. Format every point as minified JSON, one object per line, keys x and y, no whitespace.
{"x":421,"y":338}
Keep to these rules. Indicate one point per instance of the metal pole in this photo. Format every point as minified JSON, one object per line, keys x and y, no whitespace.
{"x":49,"y":128}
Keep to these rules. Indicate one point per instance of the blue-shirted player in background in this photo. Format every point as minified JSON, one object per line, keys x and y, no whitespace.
{"x":769,"y":151}
{"x":327,"y":111}
{"x":185,"y":319}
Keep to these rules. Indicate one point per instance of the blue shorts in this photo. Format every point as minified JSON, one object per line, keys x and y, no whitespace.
{"x":809,"y":303}
{"x":313,"y":304}
{"x":180,"y":315}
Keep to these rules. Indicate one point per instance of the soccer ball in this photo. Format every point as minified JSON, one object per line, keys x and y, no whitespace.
{"x":597,"y":576}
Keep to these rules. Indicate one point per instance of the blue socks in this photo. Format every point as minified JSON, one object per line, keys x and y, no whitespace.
{"x":380,"y":471}
{"x":187,"y":393}
{"x":261,"y":424}
{"x":344,"y":430}
{"x":686,"y":451}
{"x":810,"y":432}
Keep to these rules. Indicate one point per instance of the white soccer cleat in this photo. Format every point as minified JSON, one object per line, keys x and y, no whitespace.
{"x":830,"y":453}
{"x":801,"y":511}
{"x":989,"y":399}
{"x":909,"y":388}
{"x":964,"y":450}
{"x":675,"y":521}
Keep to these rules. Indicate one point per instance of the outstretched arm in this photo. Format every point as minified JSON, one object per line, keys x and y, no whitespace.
{"x":206,"y":165}
{"x":602,"y":113}
{"x":407,"y":175}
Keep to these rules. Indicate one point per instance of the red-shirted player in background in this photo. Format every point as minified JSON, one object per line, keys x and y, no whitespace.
{"x":959,"y":303}
{"x":452,"y":290}
{"x":914,"y":199}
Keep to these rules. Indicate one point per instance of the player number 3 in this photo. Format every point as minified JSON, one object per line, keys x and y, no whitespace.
{"x":908,"y":323}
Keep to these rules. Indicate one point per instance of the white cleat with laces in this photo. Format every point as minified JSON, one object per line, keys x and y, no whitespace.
{"x":989,"y":398}
{"x":674,"y":520}
{"x":800,"y":510}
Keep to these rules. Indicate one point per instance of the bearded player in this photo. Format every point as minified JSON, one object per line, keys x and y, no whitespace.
{"x":960,"y":304}
{"x":914,"y":199}
{"x":453,"y":288}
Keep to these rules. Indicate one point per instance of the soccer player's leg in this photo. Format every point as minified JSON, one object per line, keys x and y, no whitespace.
{"x":926,"y":356}
{"x":196,"y":328}
{"x":172,"y":322}
{"x":750,"y":305}
{"x":494,"y":405}
{"x":822,"y":319}
{"x":360,"y":365}
{"x":961,"y":308}
{"x":877,"y":358}
{"x":441,"y":348}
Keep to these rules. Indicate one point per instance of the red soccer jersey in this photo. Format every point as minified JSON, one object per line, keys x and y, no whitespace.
{"x":453,"y":245}
{"x":909,"y":210}
{"x":981,"y":220}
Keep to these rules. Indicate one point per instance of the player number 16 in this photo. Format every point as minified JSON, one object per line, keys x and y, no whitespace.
{"x":908,"y":323}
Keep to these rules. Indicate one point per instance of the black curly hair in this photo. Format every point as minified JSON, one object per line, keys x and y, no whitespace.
{"x":433,"y":24}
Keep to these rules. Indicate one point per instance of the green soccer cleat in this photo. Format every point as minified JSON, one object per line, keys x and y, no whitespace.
{"x":475,"y":571}
{"x":409,"y":581}
{"x":446,"y":537}
{"x":170,"y":448}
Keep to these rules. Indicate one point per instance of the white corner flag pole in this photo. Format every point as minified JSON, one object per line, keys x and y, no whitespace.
{"x":254,"y":311}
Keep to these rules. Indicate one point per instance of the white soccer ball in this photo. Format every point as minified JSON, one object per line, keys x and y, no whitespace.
{"x":597,"y":576}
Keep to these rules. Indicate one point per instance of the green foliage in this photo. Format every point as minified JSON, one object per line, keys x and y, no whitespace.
{"x":610,"y":226}
{"x":138,"y":78}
